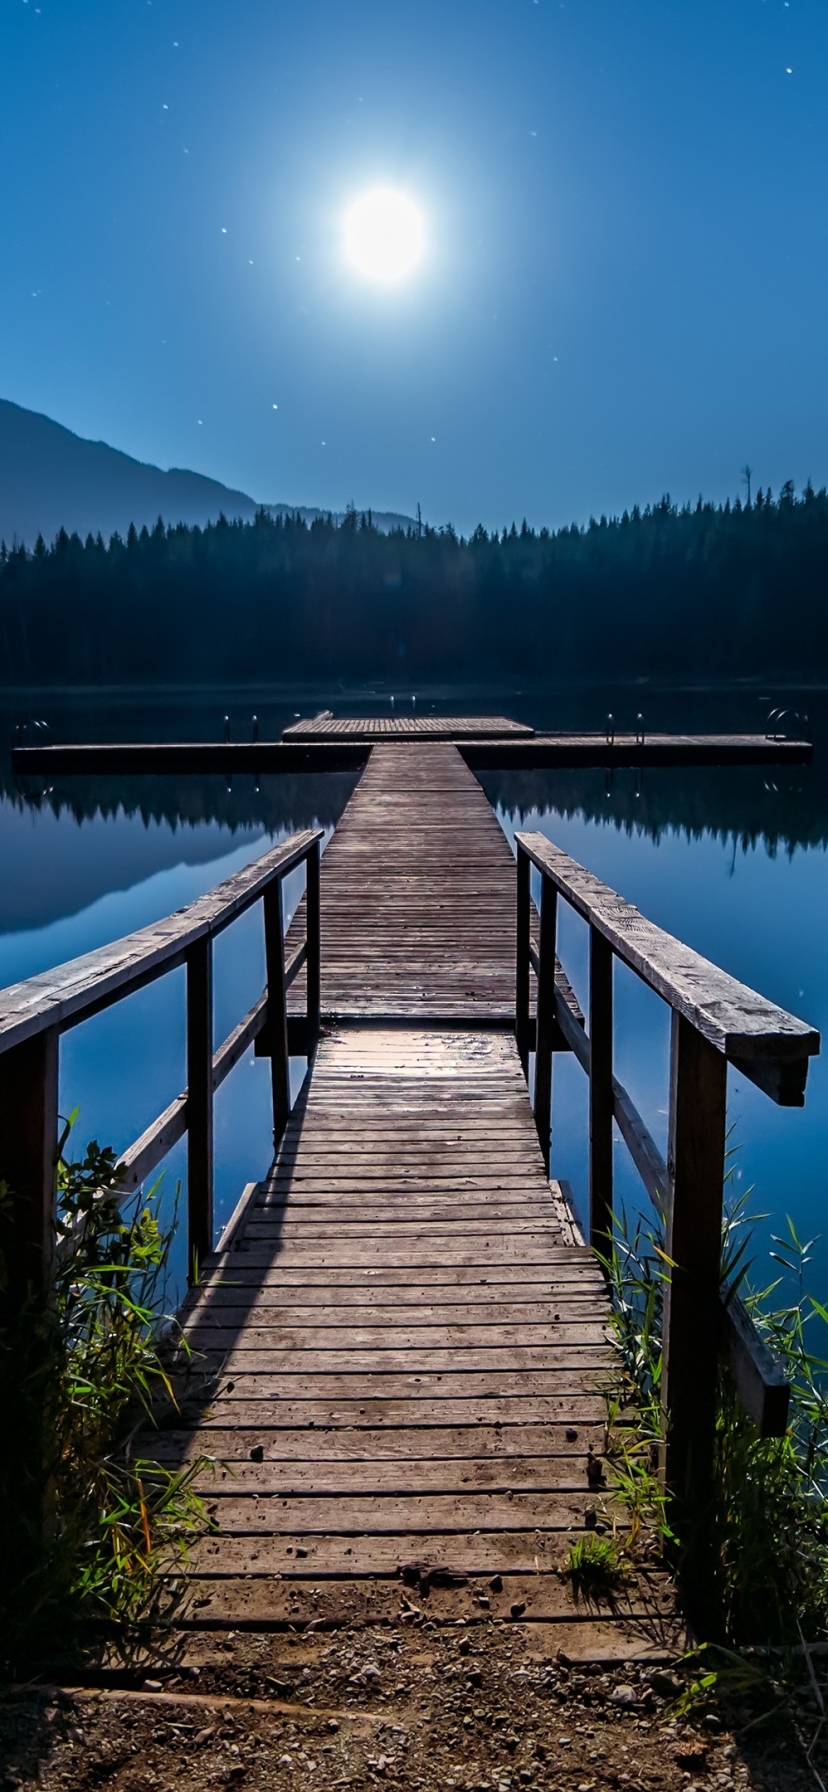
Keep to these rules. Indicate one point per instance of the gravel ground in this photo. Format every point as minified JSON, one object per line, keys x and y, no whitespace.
{"x":482,"y":1708}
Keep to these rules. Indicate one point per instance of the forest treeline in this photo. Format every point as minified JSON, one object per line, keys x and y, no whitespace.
{"x":727,"y":590}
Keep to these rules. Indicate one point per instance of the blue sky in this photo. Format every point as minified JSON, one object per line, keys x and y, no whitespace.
{"x":624,"y":290}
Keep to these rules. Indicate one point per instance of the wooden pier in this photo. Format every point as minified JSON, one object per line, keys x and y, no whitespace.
{"x":400,"y":1343}
{"x":329,"y":743}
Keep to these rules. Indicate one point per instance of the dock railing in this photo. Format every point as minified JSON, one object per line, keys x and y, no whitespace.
{"x":716,"y":1021}
{"x":35,"y":1013}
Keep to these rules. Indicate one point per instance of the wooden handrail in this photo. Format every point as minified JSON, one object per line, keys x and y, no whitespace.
{"x":715,"y":1020}
{"x":34,"y":1013}
{"x":767,"y":1044}
{"x":82,"y":987}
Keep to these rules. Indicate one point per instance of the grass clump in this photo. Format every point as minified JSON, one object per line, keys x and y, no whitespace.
{"x":768,"y":1519}
{"x":90,"y":1530}
{"x":594,"y":1566}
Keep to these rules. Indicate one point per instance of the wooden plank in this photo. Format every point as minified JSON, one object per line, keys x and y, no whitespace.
{"x":698,"y":1120}
{"x":331,"y":752}
{"x":370,"y":1444}
{"x":765,"y":1042}
{"x":327,"y":1515}
{"x":199,"y":1104}
{"x":277,"y":1007}
{"x":584,"y":1412}
{"x":489,"y":1553}
{"x":601,"y":1104}
{"x":28,"y":1145}
{"x":399,"y":1340}
{"x":545,"y":752}
{"x":212,"y":1383}
{"x":205,"y":758}
{"x":405,"y":727}
{"x":417,"y":897}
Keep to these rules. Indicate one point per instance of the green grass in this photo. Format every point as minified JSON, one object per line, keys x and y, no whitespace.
{"x":594,"y":1566}
{"x":90,"y":1530}
{"x":768,"y":1519}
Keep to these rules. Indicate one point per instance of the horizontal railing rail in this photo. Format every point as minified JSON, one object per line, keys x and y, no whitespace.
{"x":716,"y":1020}
{"x":35,"y":1013}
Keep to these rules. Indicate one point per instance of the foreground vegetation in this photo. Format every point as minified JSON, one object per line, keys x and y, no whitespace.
{"x":704,"y":590}
{"x":86,"y":1523}
{"x":767,"y":1522}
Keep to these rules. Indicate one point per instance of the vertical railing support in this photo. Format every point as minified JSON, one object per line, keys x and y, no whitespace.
{"x":546,"y":1025}
{"x":522,"y":940}
{"x":28,"y":1147}
{"x":277,"y":1007}
{"x":314,"y":947}
{"x":695,"y":1163}
{"x":199,"y":1104}
{"x":600,"y":1091}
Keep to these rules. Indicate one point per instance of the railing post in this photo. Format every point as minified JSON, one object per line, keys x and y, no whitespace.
{"x":600,"y":1091}
{"x":28,"y":1148}
{"x":522,"y":1031}
{"x":277,"y":1006}
{"x":199,"y":1104}
{"x":314,"y":949}
{"x":546,"y":1028}
{"x":695,"y":1163}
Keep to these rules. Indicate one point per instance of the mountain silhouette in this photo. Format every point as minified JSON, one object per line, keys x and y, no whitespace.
{"x":51,"y":478}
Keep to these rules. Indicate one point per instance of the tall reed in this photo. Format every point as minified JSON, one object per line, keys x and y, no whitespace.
{"x":90,"y":1526}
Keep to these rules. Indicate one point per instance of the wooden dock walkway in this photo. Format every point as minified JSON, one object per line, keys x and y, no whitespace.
{"x":417,"y":898}
{"x":398,"y":1351}
{"x":409,"y":1352}
{"x":407,"y":1345}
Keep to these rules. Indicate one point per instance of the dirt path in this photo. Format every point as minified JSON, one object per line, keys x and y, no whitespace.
{"x":483,"y":1708}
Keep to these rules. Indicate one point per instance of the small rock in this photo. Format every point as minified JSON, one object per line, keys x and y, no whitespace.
{"x":571,"y":1434}
{"x":152,"y":1685}
{"x":624,"y":1695}
{"x":595,"y":1470}
{"x":257,"y":1453}
{"x":496,"y":1583}
{"x":669,"y":1685}
{"x":484,"y":1600}
{"x":564,"y":1741}
{"x":517,"y":1608}
{"x":286,"y":1761}
{"x":333,"y":1725}
{"x":300,"y":1550}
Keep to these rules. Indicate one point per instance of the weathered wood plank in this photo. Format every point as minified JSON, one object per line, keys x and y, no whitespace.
{"x":399,"y":1339}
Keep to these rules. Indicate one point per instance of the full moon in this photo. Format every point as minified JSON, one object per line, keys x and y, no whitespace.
{"x":384,"y":235}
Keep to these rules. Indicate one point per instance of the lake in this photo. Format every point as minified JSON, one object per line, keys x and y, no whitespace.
{"x":733,"y":861}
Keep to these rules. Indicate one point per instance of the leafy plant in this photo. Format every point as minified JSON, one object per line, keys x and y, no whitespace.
{"x":769,"y":1501}
{"x":90,"y":1531}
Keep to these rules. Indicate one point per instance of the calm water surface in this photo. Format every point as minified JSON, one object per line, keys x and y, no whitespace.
{"x":732,"y":861}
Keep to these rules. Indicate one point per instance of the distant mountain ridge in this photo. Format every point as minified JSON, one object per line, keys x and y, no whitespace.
{"x":52,"y":479}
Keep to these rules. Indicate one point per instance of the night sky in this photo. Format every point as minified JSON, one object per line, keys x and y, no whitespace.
{"x":623,"y":290}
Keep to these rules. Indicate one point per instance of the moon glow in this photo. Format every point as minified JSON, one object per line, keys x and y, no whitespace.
{"x":384,"y":235}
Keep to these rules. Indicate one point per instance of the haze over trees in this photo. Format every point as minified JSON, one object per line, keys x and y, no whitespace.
{"x":705,"y":590}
